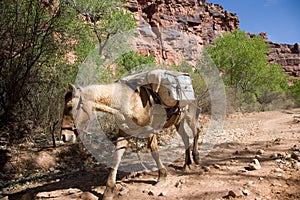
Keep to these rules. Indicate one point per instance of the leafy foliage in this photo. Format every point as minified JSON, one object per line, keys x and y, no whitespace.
{"x":40,"y":47}
{"x":243,"y":62}
{"x":132,"y":61}
{"x":294,"y":90}
{"x":107,"y":18}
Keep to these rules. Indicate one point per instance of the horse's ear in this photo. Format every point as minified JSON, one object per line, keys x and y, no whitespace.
{"x":72,"y":87}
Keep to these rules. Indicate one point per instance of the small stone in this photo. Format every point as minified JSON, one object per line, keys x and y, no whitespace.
{"x":255,"y":165}
{"x":260,"y":152}
{"x":288,"y":157}
{"x":246,"y":192}
{"x":276,"y":184}
{"x":206,"y":168}
{"x":242,"y":170}
{"x":217,"y":166}
{"x":296,"y":156}
{"x":133,"y":174}
{"x":182,"y":181}
{"x":250,"y":183}
{"x":274,"y":155}
{"x":163,"y":194}
{"x":278,"y":170}
{"x":178,"y":184}
{"x":235,"y":193}
{"x":279,"y":161}
{"x":296,"y":165}
{"x":123,"y":191}
{"x":88,"y":196}
{"x":146,"y":171}
{"x":149,"y":192}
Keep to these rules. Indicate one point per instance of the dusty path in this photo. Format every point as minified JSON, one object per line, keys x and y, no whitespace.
{"x":270,"y":137}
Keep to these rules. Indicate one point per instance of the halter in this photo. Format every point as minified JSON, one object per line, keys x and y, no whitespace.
{"x":85,"y":110}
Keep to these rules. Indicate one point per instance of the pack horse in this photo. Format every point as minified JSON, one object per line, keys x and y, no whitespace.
{"x":142,"y":104}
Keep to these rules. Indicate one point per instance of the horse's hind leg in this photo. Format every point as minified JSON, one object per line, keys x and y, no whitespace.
{"x":162,"y":172}
{"x":121,"y":145}
{"x":195,"y":152}
{"x":196,"y":133}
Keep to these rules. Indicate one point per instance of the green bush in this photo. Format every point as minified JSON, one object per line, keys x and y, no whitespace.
{"x":294,"y":90}
{"x":244,"y":64}
{"x":133,"y":61}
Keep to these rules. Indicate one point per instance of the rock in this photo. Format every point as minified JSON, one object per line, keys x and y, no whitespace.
{"x":295,"y":148}
{"x":296,"y":165}
{"x":297,"y":118}
{"x":179,"y":183}
{"x":246,"y":192}
{"x":206,"y":168}
{"x":217,"y":166}
{"x":260,"y":152}
{"x":179,"y":25}
{"x":257,"y":156}
{"x":123,"y":191}
{"x":278,"y":170}
{"x":149,"y":192}
{"x":250,"y":183}
{"x":88,"y":196}
{"x":163,"y":194}
{"x":57,"y":193}
{"x":296,"y":155}
{"x":235,"y":193}
{"x":255,"y":165}
{"x":276,"y":184}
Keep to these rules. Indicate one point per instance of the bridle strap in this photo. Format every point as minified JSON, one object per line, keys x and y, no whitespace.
{"x":84,"y":109}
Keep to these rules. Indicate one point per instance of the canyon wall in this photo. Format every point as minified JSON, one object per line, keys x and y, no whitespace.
{"x":176,"y":30}
{"x":288,"y":56}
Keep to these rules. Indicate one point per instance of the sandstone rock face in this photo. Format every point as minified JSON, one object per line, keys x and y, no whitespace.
{"x":288,"y":56}
{"x":177,"y":30}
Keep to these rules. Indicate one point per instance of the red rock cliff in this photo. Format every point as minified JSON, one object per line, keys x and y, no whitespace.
{"x":177,"y":30}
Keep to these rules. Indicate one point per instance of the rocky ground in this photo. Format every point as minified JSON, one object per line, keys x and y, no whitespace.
{"x":258,"y":157}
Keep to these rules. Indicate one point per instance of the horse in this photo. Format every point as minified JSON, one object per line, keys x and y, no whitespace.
{"x":136,"y":110}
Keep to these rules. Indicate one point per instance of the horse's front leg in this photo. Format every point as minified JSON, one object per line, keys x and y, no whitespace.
{"x":185,"y":138}
{"x":162,"y":171}
{"x":121,"y":145}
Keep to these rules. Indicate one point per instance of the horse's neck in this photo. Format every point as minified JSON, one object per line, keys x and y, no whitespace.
{"x":99,"y":94}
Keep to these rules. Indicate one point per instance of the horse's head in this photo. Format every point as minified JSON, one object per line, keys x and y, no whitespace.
{"x":68,"y":129}
{"x":76,"y":114}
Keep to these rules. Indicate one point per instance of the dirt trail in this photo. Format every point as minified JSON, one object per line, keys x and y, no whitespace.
{"x":273,"y":138}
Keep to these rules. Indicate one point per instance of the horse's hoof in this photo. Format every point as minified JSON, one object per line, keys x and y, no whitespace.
{"x":108,"y":194}
{"x":186,"y":169}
